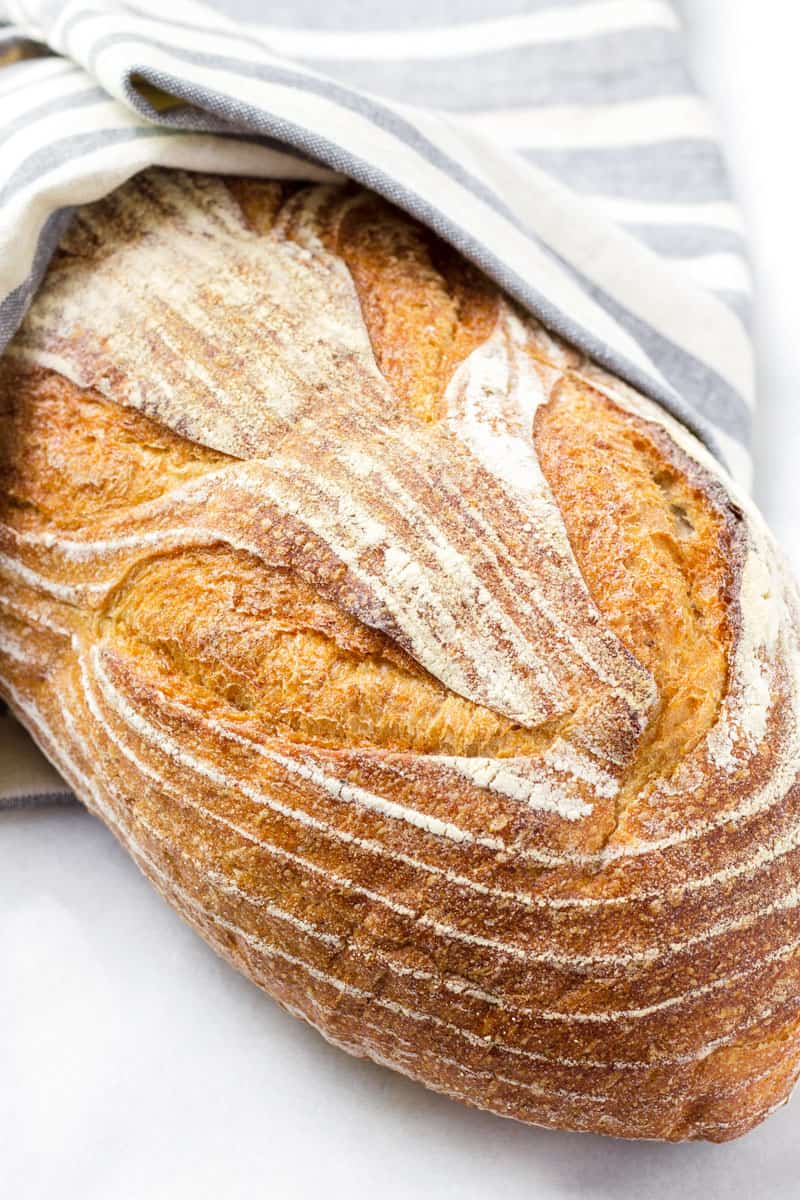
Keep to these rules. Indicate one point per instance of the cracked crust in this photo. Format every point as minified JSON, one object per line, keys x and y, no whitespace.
{"x":436,"y":678}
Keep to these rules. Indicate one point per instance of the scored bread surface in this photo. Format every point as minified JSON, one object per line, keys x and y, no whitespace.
{"x":442,"y":682}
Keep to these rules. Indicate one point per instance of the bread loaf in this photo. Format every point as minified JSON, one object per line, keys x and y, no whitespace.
{"x":445,"y":685}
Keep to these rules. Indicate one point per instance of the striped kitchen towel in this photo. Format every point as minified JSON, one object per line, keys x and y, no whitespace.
{"x":559,"y":144}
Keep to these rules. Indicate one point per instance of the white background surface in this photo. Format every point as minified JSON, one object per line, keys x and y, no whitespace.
{"x":133,"y":1063}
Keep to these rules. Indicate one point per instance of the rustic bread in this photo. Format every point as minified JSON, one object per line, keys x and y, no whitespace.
{"x":441,"y":682}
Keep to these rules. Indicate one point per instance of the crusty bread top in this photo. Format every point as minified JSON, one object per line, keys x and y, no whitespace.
{"x":383,"y":557}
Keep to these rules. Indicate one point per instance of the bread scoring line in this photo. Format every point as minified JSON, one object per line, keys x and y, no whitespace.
{"x":773,"y":792}
{"x":790,"y":901}
{"x":762,"y":799}
{"x":590,"y":1064}
{"x":748,"y":868}
{"x":405,"y":592}
{"x":649,"y":957}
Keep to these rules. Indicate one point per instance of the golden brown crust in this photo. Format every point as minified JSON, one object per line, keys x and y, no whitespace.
{"x":522,"y":825}
{"x":656,"y":553}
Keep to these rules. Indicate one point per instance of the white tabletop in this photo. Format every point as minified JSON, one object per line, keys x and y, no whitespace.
{"x":134,"y":1063}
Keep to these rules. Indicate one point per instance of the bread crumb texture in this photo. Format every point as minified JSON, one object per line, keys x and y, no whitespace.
{"x":436,"y":678}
